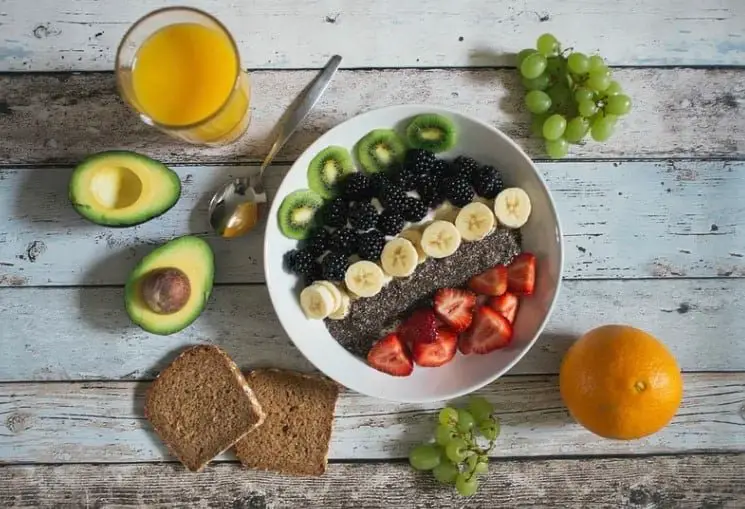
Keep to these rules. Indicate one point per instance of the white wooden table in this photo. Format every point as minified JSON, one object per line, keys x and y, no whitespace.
{"x":654,"y":223}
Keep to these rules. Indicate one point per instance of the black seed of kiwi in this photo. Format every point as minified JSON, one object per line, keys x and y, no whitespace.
{"x":380,"y":150}
{"x":431,"y":132}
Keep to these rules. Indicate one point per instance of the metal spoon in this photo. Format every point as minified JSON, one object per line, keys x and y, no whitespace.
{"x":235,"y":208}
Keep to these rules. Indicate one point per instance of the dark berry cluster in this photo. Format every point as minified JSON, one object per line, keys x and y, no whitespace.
{"x":363,"y":215}
{"x":357,"y":187}
{"x":299,"y":261}
{"x":318,"y":243}
{"x":487,"y":182}
{"x":458,"y":191}
{"x":390,"y":222}
{"x":344,"y":241}
{"x":335,"y":212}
{"x":393,"y":198}
{"x":464,"y":166}
{"x":371,"y":245}
{"x":414,"y":210}
{"x":334,"y":266}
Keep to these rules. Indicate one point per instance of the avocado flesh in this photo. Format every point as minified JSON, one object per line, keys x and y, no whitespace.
{"x":191,"y":255}
{"x":121,"y":188}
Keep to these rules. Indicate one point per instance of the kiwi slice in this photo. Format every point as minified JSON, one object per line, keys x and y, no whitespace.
{"x":380,"y":150}
{"x":328,"y":168}
{"x":297,"y":213}
{"x":431,"y":132}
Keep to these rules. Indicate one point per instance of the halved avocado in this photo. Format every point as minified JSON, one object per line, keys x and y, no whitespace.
{"x":153,"y":278}
{"x":122,"y":188}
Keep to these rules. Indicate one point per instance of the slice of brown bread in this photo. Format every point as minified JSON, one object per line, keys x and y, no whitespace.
{"x":201,"y":405}
{"x":295,"y":436}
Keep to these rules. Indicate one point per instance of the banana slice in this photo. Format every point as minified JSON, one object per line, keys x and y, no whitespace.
{"x":475,"y":221}
{"x":335,"y":292}
{"x":317,"y":302}
{"x":399,"y":257}
{"x":364,"y":278}
{"x":415,"y":237}
{"x":440,"y":239}
{"x":343,"y":310}
{"x":512,"y":207}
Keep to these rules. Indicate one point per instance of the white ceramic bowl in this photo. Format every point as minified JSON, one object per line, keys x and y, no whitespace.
{"x":541,"y":236}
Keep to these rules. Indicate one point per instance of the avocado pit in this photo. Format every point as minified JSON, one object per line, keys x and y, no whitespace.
{"x":166,"y":291}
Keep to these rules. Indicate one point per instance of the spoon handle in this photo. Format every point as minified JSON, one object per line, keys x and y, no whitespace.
{"x":300,"y":108}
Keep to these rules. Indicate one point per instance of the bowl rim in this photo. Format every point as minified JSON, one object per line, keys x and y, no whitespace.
{"x":426,"y":108}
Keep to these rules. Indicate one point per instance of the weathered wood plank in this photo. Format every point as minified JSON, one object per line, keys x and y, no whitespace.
{"x":620,"y":220}
{"x":102,"y":422}
{"x":84,"y":333}
{"x":83,"y":34}
{"x":655,"y":482}
{"x":677,"y":113}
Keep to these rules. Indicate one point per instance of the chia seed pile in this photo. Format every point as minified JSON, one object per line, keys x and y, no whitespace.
{"x":370,"y":318}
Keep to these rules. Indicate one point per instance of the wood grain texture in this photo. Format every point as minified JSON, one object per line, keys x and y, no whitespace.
{"x":85,"y":334}
{"x":102,"y":422}
{"x":58,"y":119}
{"x":661,"y":482}
{"x":83,"y":34}
{"x":620,"y":220}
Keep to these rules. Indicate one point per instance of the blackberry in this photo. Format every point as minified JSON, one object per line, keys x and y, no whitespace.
{"x":334,"y":266}
{"x":464,"y":166}
{"x":363,"y":216}
{"x":458,"y":191}
{"x":415,"y":210}
{"x":371,"y":245}
{"x":419,"y":161}
{"x":440,"y":168}
{"x":315,"y":274}
{"x":432,"y":198}
{"x":299,"y":261}
{"x":343,"y":240}
{"x":318,"y":242}
{"x":288,"y":260}
{"x":487,"y":182}
{"x":390,"y":223}
{"x":357,"y":187}
{"x":335,"y":212}
{"x":406,"y":178}
{"x":393,"y":198}
{"x":428,"y":187}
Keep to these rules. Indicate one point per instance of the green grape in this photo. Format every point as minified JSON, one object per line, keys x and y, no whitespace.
{"x":613,"y":89}
{"x":536,"y":125}
{"x":602,"y":128}
{"x":465,"y":421}
{"x":523,"y":54}
{"x":471,"y":463}
{"x":558,"y":148}
{"x":445,"y":473}
{"x":424,"y":457}
{"x":587,"y":108}
{"x":617,"y":104}
{"x":480,"y":408}
{"x":554,"y":127}
{"x":576,"y":129}
{"x":466,"y":485}
{"x":489,"y":428}
{"x":547,"y":44}
{"x":533,"y":66}
{"x":596,"y":62}
{"x":444,"y":434}
{"x":599,"y":79}
{"x":578,"y":63}
{"x":537,"y":101}
{"x":561,"y":99}
{"x":540,"y":83}
{"x":456,"y":450}
{"x":481,"y":468}
{"x":555,"y":66}
{"x":584,"y":94}
{"x":448,"y":415}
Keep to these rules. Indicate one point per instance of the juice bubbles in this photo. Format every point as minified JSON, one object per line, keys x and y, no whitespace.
{"x":183,"y":76}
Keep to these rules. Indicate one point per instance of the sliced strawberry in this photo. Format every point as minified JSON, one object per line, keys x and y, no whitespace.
{"x":420,"y":326}
{"x":521,"y":274}
{"x":390,"y":356}
{"x":454,"y":306}
{"x":489,"y":331}
{"x":438,"y":353}
{"x":505,"y":305}
{"x":491,"y":282}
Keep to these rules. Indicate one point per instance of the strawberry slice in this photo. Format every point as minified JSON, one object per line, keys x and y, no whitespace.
{"x":390,"y":356}
{"x":420,"y":326}
{"x":438,"y":353}
{"x":491,"y":282}
{"x":505,"y":305}
{"x":521,"y":274}
{"x":454,"y":306}
{"x":489,"y":331}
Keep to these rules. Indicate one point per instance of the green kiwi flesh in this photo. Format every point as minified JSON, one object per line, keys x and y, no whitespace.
{"x":327,"y":168}
{"x":297,"y":213}
{"x":431,"y":132}
{"x":380,"y":150}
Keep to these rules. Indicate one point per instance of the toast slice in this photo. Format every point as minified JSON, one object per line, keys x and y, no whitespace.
{"x":296,"y":433}
{"x":200,"y":405}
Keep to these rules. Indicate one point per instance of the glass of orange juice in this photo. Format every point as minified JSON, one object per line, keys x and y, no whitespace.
{"x":179,"y":68}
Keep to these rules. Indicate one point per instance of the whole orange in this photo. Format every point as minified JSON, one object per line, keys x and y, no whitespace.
{"x":620,"y":382}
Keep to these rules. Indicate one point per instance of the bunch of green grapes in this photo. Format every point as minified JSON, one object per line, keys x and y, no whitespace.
{"x":456,"y":457}
{"x":569,"y":95}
